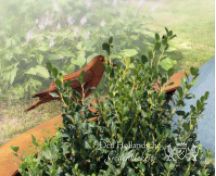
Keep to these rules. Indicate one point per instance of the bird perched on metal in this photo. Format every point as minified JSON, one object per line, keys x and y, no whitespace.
{"x":93,"y":73}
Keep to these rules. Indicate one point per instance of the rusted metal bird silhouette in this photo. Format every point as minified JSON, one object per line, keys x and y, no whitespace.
{"x":93,"y":72}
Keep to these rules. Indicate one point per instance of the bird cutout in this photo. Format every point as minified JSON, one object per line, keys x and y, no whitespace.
{"x":93,"y":73}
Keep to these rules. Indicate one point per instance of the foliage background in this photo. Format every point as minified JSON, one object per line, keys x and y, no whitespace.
{"x":67,"y":33}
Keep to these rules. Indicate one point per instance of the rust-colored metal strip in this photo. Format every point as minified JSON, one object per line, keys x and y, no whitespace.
{"x":8,"y":162}
{"x":174,"y":82}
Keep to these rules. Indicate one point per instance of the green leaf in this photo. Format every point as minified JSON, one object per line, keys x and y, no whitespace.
{"x":39,"y":70}
{"x":150,"y":54}
{"x":144,"y":59}
{"x":34,"y":141}
{"x":40,"y":59}
{"x":112,"y":73}
{"x":58,"y":83}
{"x":206,"y":95}
{"x":129,"y":52}
{"x":194,"y":71}
{"x":180,"y":91}
{"x":15,"y":148}
{"x":157,"y":46}
{"x":170,"y":33}
{"x":13,"y":73}
{"x":167,"y":30}
{"x":81,"y":60}
{"x":54,"y":72}
{"x":157,"y":36}
{"x":173,"y":36}
{"x":180,"y":113}
{"x":186,"y":126}
{"x":167,"y":63}
{"x":106,"y":47}
{"x":49,"y":66}
{"x":110,"y":40}
{"x":82,"y":78}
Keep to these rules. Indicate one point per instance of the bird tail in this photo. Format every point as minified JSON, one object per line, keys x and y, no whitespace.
{"x":41,"y":94}
{"x":44,"y":97}
{"x":36,"y":104}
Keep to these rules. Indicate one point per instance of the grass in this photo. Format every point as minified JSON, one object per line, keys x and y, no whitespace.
{"x":13,"y":119}
{"x":191,"y":20}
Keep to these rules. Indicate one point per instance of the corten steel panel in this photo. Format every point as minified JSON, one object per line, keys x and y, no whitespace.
{"x":174,"y":82}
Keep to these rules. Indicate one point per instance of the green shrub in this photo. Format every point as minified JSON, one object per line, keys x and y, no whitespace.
{"x":134,"y":134}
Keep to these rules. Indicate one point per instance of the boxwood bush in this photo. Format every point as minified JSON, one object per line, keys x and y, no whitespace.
{"x":139,"y":131}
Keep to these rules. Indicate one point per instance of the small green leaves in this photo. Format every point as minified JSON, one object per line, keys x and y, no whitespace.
{"x":15,"y":148}
{"x":157,"y":46}
{"x":49,"y":66}
{"x":110,"y":40}
{"x":81,"y":78}
{"x":205,"y":96}
{"x":13,"y":73}
{"x":168,"y":63}
{"x":150,"y":54}
{"x":167,"y":30}
{"x":165,"y":39}
{"x":56,"y":75}
{"x":169,"y":33}
{"x":108,"y":45}
{"x":194,"y":71}
{"x":157,"y":37}
{"x":112,"y":73}
{"x":129,"y":53}
{"x":34,"y":141}
{"x":180,"y":113}
{"x":52,"y":70}
{"x":169,"y":166}
{"x":39,"y":70}
{"x":144,"y":59}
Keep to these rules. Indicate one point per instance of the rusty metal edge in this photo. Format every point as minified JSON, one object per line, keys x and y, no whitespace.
{"x":9,"y":163}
